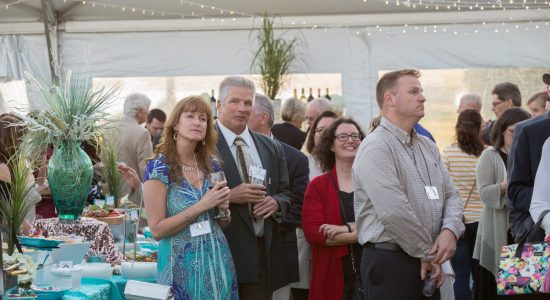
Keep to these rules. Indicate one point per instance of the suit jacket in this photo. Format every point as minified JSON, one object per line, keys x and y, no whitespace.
{"x":133,"y":145}
{"x":240,"y":232}
{"x":298,"y":177}
{"x":526,"y":158}
{"x":289,"y":134}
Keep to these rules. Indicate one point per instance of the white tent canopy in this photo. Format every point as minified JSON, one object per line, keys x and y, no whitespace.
{"x":354,"y":38}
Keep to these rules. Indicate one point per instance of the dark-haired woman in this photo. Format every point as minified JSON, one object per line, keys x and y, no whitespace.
{"x":194,"y":256}
{"x":461,"y":159}
{"x":329,"y":197}
{"x":313,"y":136}
{"x":492,"y":232}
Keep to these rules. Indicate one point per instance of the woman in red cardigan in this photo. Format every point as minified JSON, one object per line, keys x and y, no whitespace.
{"x":330,"y":236}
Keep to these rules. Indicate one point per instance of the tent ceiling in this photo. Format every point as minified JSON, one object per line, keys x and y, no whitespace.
{"x":70,"y":10}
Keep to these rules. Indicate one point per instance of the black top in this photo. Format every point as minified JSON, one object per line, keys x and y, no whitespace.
{"x":289,"y":134}
{"x":504,"y":157}
{"x":347,"y":201}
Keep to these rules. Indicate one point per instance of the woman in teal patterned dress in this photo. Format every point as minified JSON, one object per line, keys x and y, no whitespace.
{"x":194,"y":257}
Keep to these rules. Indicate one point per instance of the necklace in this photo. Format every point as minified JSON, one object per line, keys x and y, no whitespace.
{"x":196,"y":169}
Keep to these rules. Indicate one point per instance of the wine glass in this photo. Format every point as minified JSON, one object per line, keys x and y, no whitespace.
{"x":213,"y":179}
{"x":260,"y":179}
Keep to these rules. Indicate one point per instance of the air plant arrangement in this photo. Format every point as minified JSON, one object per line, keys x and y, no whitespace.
{"x":75,"y":112}
{"x":274,"y":57}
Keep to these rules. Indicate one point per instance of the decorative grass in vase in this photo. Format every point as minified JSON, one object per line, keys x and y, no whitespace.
{"x":274,"y":57}
{"x":110,"y":174}
{"x":15,"y":202}
{"x":74,"y":113}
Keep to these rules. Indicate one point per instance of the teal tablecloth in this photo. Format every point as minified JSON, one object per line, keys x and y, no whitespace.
{"x":100,"y":289}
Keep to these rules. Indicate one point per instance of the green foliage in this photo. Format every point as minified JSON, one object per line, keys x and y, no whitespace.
{"x":110,"y":173}
{"x":74,"y":112}
{"x":274,"y":57}
{"x":15,"y":202}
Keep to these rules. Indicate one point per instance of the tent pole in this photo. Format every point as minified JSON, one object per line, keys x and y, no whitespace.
{"x":50,"y":29}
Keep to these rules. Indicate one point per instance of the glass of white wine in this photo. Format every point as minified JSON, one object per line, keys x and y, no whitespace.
{"x":213,"y":179}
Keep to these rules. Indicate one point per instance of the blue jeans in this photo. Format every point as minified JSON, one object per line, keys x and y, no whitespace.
{"x":464,"y":265}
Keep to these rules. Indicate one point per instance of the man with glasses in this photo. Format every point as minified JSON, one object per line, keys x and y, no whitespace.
{"x":505,"y":95}
{"x":523,"y":163}
{"x":408,"y":212}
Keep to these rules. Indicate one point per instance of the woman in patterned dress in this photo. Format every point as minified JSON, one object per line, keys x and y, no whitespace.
{"x":194,"y":257}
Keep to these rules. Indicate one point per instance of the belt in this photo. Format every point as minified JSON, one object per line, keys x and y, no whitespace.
{"x":384,"y":246}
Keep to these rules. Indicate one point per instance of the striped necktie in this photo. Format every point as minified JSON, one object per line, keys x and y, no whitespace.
{"x":243,"y":158}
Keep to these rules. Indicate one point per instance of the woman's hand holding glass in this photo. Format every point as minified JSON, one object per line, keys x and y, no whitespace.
{"x":214,"y":179}
{"x":217,"y":196}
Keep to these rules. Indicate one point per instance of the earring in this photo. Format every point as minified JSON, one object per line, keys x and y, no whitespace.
{"x":175,"y":136}
{"x":203,"y":142}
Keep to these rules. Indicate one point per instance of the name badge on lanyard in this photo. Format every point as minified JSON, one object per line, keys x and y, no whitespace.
{"x":200,"y":228}
{"x":432,"y":193}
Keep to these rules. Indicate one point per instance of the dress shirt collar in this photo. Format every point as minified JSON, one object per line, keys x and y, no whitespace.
{"x":398,"y":132}
{"x":230,"y":135}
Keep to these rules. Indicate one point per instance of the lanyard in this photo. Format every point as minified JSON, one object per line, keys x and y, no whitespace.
{"x":412,"y":157}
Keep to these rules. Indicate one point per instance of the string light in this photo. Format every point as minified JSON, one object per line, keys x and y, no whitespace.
{"x":7,"y":5}
{"x":471,"y":4}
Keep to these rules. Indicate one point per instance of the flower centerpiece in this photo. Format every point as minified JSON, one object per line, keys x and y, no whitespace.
{"x":74,"y":113}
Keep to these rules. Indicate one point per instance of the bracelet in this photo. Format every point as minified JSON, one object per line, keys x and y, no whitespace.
{"x":349,"y":227}
{"x":227,"y":216}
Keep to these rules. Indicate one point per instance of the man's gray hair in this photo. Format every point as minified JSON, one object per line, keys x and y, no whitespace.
{"x":322,"y":104}
{"x":234,"y":81}
{"x":134,"y":102}
{"x":263,"y":104}
{"x":471,"y":98}
{"x":293,"y":109}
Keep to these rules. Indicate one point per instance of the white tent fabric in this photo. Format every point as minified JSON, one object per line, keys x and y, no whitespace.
{"x":20,"y":53}
{"x":357,"y":57}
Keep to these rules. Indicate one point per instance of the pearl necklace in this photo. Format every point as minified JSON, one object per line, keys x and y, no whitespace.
{"x":196,"y":169}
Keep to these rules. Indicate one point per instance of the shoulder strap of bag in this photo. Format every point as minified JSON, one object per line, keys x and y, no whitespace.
{"x":523,"y":239}
{"x":470,"y":194}
{"x":343,"y":216}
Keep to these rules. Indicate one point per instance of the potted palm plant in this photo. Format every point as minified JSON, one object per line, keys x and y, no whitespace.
{"x":274,"y":57}
{"x":74,"y":113}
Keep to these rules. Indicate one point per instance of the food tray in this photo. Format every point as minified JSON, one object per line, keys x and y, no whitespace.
{"x":111,"y":220}
{"x":38,"y":242}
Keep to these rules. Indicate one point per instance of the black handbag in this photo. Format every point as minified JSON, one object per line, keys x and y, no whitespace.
{"x":357,"y":293}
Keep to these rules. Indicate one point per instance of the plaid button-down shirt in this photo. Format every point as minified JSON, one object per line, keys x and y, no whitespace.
{"x":390,"y":175}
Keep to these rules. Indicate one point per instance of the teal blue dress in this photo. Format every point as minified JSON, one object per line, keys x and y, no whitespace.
{"x":201,"y":267}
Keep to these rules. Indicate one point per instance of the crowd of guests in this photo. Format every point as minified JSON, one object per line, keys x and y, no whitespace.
{"x":335,"y":211}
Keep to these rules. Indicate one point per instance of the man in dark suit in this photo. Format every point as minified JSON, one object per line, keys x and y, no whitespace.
{"x":261,"y":121}
{"x":254,"y":235}
{"x":526,"y":157}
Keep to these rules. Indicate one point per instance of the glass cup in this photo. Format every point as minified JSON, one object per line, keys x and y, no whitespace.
{"x":213,"y":179}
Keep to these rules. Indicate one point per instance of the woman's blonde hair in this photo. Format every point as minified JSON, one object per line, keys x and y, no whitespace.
{"x":205,"y":150}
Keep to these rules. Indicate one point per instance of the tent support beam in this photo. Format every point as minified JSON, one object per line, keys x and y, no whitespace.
{"x":50,"y":30}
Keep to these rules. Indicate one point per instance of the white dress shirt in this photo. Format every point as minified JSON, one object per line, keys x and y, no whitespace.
{"x":541,"y":190}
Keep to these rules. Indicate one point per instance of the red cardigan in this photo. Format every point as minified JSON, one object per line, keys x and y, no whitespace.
{"x":321,"y":206}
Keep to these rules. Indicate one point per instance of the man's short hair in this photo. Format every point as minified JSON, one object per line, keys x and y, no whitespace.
{"x":156,"y":114}
{"x":508,"y":90}
{"x":389,"y":80}
{"x":541,"y":97}
{"x":134,"y":102}
{"x":263,"y":104}
{"x":234,"y":81}
{"x":293,"y":109}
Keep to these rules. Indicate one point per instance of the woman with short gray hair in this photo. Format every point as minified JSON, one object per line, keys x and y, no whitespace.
{"x":293,"y":114}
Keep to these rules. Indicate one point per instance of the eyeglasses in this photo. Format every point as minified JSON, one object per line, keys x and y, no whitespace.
{"x":342,"y":137}
{"x":495,"y":104}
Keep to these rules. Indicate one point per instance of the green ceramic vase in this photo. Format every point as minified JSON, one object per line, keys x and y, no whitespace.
{"x":70,"y":173}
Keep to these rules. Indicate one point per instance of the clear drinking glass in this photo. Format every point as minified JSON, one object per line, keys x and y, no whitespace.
{"x":213,"y":179}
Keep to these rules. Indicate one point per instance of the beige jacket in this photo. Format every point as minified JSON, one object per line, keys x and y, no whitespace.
{"x":133,"y":145}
